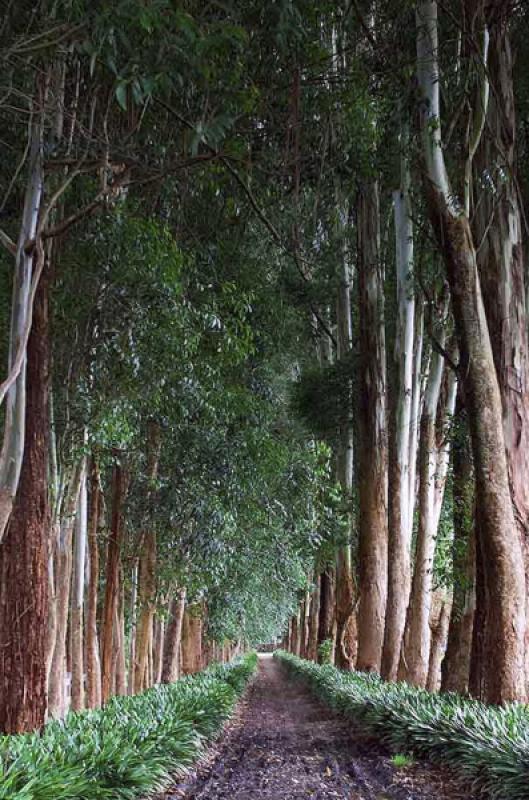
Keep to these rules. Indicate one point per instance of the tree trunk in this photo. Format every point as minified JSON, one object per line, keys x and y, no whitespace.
{"x":439,"y":625}
{"x":456,"y":664}
{"x":192,"y":640}
{"x":497,"y":225}
{"x":433,"y":456}
{"x":24,"y":552}
{"x":294,"y":637}
{"x":159,"y":638}
{"x":14,"y":426}
{"x":327,"y":620}
{"x":133,"y":624}
{"x":400,"y":497}
{"x":120,"y":667}
{"x":112,"y":580}
{"x":93,"y":665}
{"x":345,"y":590}
{"x":76,"y":622}
{"x":173,"y":638}
{"x":146,"y":594}
{"x":147,"y":567}
{"x":57,"y":698}
{"x":504,"y":573}
{"x":312,"y":650}
{"x":372,"y":458}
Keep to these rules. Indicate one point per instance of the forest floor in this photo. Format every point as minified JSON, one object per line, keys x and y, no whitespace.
{"x":285,"y":744}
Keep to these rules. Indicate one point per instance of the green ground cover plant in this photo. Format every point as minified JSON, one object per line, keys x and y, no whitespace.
{"x":488,"y":745}
{"x":132,"y":747}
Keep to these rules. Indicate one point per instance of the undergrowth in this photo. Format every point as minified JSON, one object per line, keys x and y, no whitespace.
{"x":488,"y":745}
{"x":131,"y":748}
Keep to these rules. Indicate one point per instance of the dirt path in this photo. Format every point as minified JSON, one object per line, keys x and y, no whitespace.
{"x":287,"y":745}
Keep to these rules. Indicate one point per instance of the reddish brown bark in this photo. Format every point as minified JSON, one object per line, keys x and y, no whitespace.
{"x":192,"y":640}
{"x":372,"y":451}
{"x":24,"y":552}
{"x":173,"y":638}
{"x":327,"y":618}
{"x":93,"y":666}
{"x":503,"y":569}
{"x":497,"y":225}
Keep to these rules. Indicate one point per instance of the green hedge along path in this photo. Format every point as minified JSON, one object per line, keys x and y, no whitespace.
{"x":132,"y":747}
{"x":487,"y":744}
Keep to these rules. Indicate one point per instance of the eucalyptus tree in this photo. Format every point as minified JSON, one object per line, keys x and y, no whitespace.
{"x":503,"y":570}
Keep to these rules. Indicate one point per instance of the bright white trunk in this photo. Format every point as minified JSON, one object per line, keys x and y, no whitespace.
{"x":15,"y":411}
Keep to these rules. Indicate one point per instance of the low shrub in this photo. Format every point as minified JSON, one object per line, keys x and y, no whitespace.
{"x":488,"y":745}
{"x":133,"y":747}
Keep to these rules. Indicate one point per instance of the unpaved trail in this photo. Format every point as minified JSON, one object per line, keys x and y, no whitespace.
{"x":285,"y":744}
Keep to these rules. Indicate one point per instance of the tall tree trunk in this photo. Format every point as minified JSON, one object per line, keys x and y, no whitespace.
{"x":192,"y":640}
{"x":497,"y":225}
{"x":112,"y":579}
{"x":173,"y":638}
{"x":159,"y":638}
{"x":146,"y":595}
{"x":327,"y":621}
{"x":133,"y":624}
{"x":76,"y":623}
{"x":294,"y":635}
{"x":439,"y":625}
{"x":400,"y":497}
{"x":93,"y":664}
{"x":345,"y":590}
{"x":434,"y":454}
{"x":147,"y":566}
{"x":57,"y":698}
{"x":372,"y":458}
{"x":504,"y":573}
{"x":312,"y":649}
{"x":24,"y":552}
{"x":456,"y":664}
{"x":11,"y":454}
{"x":120,"y":668}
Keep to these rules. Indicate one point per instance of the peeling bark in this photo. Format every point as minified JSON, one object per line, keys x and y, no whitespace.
{"x":24,"y":553}
{"x":372,"y":458}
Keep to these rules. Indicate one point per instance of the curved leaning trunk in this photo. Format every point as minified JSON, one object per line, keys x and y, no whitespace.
{"x":372,"y":457}
{"x":15,"y":412}
{"x":504,"y":574}
{"x":497,"y":225}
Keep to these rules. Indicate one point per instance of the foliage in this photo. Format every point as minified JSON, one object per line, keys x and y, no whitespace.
{"x":325,"y":652}
{"x":486,"y":744}
{"x":132,"y":747}
{"x":401,"y":760}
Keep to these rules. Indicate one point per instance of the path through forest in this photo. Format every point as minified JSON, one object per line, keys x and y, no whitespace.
{"x":285,"y":744}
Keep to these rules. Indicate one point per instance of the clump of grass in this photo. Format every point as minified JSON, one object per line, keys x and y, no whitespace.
{"x":402,"y":761}
{"x":487,"y":744}
{"x":133,"y":747}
